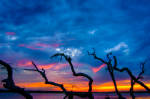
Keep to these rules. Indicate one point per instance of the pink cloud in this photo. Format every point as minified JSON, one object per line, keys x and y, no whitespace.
{"x":24,"y":62}
{"x":48,"y":45}
{"x":30,"y":47}
{"x":10,"y":33}
{"x":60,"y":66}
{"x":39,"y":46}
{"x":96,"y":69}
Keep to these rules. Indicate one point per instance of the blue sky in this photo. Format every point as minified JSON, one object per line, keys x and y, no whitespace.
{"x":31,"y":30}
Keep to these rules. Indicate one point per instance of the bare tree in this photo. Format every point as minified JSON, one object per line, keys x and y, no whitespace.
{"x":138,"y":78}
{"x":42,"y":73}
{"x":111,"y":67}
{"x":110,"y":70}
{"x":10,"y":84}
{"x":68,"y":59}
{"x":132,"y":77}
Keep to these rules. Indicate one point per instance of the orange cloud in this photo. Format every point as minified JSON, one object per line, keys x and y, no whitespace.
{"x":54,"y":66}
{"x":29,"y":63}
{"x":24,"y":62}
{"x":48,"y":66}
{"x":96,"y":69}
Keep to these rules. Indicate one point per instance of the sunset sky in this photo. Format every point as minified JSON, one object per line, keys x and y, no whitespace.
{"x":34,"y":31}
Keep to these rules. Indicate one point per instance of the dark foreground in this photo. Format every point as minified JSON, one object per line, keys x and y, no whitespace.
{"x":9,"y":95}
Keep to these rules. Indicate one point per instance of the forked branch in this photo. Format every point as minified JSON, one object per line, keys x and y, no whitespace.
{"x":68,"y":59}
{"x":42,"y":73}
{"x":136,"y":80}
{"x":10,"y":84}
{"x":110,"y":69}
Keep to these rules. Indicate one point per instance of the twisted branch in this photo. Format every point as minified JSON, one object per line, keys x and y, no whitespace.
{"x":42,"y":73}
{"x":133,"y":78}
{"x":136,"y":80}
{"x":68,"y":59}
{"x":110,"y":69}
{"x":10,"y":84}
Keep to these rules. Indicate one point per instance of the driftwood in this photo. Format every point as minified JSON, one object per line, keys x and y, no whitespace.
{"x":68,"y":59}
{"x":110,"y":69}
{"x":133,"y":82}
{"x":9,"y":83}
{"x":132,"y":77}
{"x":68,"y":94}
{"x":42,"y":73}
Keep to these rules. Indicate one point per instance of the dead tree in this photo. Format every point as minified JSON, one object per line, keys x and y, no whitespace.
{"x":110,"y":70}
{"x":138,"y":78}
{"x":9,"y":83}
{"x":42,"y":73}
{"x":68,"y":59}
{"x":133,"y":78}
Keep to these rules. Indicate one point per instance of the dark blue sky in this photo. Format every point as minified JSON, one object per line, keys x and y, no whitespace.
{"x":35,"y":30}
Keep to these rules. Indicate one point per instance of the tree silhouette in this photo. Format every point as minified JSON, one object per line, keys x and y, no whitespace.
{"x":110,"y":70}
{"x":138,"y":77}
{"x":133,"y":78}
{"x":9,"y":83}
{"x":68,"y":59}
{"x":42,"y":73}
{"x":111,"y":67}
{"x":67,"y":93}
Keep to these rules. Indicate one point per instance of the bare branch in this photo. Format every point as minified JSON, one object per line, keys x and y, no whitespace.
{"x":10,"y":84}
{"x":42,"y":73}
{"x":68,"y":59}
{"x":133,"y":77}
{"x":110,"y":69}
{"x":108,"y":57}
{"x":94,"y":55}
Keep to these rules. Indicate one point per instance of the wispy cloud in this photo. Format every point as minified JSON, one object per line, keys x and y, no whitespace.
{"x":10,"y":33}
{"x":96,"y":69}
{"x":70,"y":51}
{"x":121,"y":46}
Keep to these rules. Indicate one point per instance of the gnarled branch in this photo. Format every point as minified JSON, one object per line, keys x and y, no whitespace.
{"x":42,"y":73}
{"x":110,"y":69}
{"x":131,"y":75}
{"x":133,"y":78}
{"x":68,"y":59}
{"x":10,"y":84}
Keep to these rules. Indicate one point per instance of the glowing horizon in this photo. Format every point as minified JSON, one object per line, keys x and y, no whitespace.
{"x":122,"y":85}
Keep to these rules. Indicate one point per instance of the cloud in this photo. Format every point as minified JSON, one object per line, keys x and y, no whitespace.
{"x":92,"y":32}
{"x":11,"y":37}
{"x":40,"y":46}
{"x":36,"y":30}
{"x":70,"y":51}
{"x":118,"y":47}
{"x":96,"y":69}
{"x":10,"y":33}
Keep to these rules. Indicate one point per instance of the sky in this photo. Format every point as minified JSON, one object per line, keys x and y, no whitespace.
{"x":34,"y":31}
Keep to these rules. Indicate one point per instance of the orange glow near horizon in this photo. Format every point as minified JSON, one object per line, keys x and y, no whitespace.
{"x":96,"y":69}
{"x":123,"y":85}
